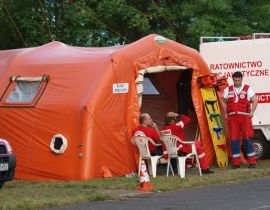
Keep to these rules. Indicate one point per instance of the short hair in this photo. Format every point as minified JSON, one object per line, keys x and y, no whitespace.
{"x":237,"y":74}
{"x":169,"y":120}
{"x":142,"y":117}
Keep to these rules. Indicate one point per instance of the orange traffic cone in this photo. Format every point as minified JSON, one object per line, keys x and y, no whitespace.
{"x":145,"y":184}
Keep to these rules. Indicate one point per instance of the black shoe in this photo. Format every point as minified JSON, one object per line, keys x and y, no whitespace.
{"x":207,"y":171}
{"x":252,"y":166}
{"x":235,"y":166}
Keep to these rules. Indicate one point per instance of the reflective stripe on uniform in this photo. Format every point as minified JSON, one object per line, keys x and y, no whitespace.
{"x":241,"y":113}
{"x":251,"y":154}
{"x":236,"y":155}
{"x":201,"y":155}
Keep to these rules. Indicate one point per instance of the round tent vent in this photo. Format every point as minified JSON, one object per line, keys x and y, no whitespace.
{"x":58,"y":144}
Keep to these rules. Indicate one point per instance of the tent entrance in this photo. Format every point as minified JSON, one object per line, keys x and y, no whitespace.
{"x":169,"y":91}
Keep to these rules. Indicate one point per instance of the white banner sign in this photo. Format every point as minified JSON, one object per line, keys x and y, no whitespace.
{"x":120,"y":88}
{"x":252,"y":58}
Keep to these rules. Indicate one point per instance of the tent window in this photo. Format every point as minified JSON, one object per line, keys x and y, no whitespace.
{"x":149,"y":88}
{"x":23,"y":91}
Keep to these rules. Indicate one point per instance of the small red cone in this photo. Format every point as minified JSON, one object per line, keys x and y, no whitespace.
{"x":145,"y":184}
{"x":106,"y":173}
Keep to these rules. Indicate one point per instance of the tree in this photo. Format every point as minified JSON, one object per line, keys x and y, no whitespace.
{"x":110,"y":22}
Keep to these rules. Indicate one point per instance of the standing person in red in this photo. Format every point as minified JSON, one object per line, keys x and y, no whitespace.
{"x":174,"y":125}
{"x":238,"y":98}
{"x":149,"y":129}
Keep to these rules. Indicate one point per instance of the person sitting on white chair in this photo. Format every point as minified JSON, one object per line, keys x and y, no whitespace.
{"x":174,"y":124}
{"x":149,"y":129}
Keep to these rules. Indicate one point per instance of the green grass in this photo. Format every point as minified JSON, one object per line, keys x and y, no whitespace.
{"x":37,"y":194}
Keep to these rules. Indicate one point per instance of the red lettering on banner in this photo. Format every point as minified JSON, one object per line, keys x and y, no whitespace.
{"x":259,"y":63}
{"x":263,"y":97}
{"x":236,"y":65}
{"x":247,"y":73}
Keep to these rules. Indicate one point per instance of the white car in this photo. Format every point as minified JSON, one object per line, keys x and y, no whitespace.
{"x":7,"y":162}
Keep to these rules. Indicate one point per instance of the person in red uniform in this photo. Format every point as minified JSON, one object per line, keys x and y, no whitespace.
{"x":149,"y":129}
{"x":174,"y":125}
{"x":238,"y":99}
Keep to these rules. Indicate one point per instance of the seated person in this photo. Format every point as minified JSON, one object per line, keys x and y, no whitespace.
{"x":174,"y":124}
{"x":149,"y":129}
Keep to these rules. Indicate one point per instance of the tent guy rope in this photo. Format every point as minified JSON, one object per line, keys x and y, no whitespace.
{"x":166,"y":20}
{"x":45,"y":19}
{"x":99,"y":21}
{"x":12,"y":20}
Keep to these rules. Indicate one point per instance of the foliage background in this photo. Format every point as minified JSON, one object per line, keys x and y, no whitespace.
{"x":96,"y":23}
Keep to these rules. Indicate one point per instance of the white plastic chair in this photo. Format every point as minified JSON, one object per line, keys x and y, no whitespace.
{"x":170,"y":142}
{"x":142,"y":143}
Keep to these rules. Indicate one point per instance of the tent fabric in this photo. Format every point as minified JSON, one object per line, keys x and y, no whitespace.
{"x":79,"y":104}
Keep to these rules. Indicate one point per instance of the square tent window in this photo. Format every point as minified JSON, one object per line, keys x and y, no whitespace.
{"x":23,"y":91}
{"x":149,"y":88}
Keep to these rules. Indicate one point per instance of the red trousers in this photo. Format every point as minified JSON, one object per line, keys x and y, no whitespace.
{"x":241,"y":129}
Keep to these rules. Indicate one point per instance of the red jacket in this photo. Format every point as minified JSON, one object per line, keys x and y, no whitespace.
{"x":238,"y":102}
{"x":148,"y":132}
{"x":176,"y":128}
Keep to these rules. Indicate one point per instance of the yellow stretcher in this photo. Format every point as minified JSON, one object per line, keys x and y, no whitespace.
{"x":214,"y":119}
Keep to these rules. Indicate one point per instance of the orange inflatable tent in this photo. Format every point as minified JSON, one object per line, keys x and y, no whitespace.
{"x":69,"y":112}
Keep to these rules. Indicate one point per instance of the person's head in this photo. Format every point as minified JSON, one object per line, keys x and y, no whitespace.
{"x":237,"y":79}
{"x":146,"y":120}
{"x":171,"y":117}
